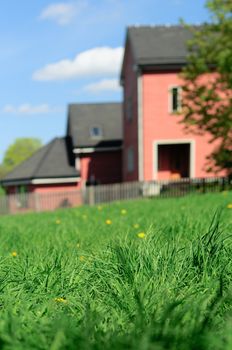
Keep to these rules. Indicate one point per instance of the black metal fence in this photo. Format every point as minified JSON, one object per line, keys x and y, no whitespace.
{"x":155,"y":189}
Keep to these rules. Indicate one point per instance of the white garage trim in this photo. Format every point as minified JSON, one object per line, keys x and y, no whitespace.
{"x":156,"y":143}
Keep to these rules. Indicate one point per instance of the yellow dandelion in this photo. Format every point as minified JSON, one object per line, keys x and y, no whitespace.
{"x":99,"y":207}
{"x":14,"y":254}
{"x":229,"y":206}
{"x":60,"y":300}
{"x":108,"y":222}
{"x":136,"y":225}
{"x":58,"y":222}
{"x":141,"y":235}
{"x":81,"y":258}
{"x":123,"y":211}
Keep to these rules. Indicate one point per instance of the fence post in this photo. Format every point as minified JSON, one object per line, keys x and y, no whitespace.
{"x":203,"y":186}
{"x":37,"y":204}
{"x":223,"y":184}
{"x":83,"y":195}
{"x":91,"y":195}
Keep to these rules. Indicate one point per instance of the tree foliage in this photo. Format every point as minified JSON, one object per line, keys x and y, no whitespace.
{"x":207,"y":97}
{"x":2,"y":191}
{"x":19,"y":151}
{"x":3,"y":171}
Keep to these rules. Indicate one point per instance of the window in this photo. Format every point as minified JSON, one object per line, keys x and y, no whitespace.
{"x":129,"y":109}
{"x":22,"y":198}
{"x":96,"y":132}
{"x":21,"y":189}
{"x":175,"y":99}
{"x":78,"y":163}
{"x":130,"y":159}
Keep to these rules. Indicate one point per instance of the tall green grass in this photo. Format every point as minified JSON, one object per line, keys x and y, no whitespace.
{"x":79,"y":283}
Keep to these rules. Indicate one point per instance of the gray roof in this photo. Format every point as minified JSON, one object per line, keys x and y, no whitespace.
{"x":159,"y":45}
{"x":51,"y":161}
{"x":107,"y":116}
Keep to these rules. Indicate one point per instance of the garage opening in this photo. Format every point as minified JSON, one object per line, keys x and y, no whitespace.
{"x":173,"y":161}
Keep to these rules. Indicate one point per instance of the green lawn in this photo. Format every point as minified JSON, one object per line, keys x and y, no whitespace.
{"x":157,"y":276}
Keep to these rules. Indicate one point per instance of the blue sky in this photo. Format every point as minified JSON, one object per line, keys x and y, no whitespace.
{"x":56,"y":53}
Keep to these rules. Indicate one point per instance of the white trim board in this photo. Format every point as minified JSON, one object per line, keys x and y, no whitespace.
{"x":95,"y":149}
{"x":41,"y":181}
{"x":140,"y":126}
{"x":55,"y":180}
{"x":155,"y":145}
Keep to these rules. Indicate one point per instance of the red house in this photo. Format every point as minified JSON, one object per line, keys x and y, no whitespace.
{"x":96,"y":134}
{"x":155,"y":145}
{"x":90,"y":154}
{"x":139,"y":140}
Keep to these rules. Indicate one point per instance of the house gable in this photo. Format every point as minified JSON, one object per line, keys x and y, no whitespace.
{"x":96,"y":134}
{"x":82,"y":118}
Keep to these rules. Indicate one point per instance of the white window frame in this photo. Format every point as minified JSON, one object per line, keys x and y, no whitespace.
{"x":157,"y":143}
{"x":78,"y":163}
{"x":170,"y":99}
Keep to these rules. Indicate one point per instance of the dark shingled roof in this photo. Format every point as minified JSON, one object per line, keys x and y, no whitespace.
{"x":54,"y":160}
{"x":159,"y":45}
{"x":107,"y":116}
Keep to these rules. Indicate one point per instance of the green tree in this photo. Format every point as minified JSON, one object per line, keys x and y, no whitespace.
{"x":20,"y":150}
{"x":3,"y":171}
{"x":2,"y":192}
{"x":207,"y":95}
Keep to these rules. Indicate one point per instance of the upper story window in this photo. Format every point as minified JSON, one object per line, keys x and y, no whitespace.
{"x":129,"y":109}
{"x":96,"y":132}
{"x":130,"y":159}
{"x":175,"y":99}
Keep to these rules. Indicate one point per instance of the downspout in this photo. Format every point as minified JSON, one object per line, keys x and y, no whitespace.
{"x":140,"y":125}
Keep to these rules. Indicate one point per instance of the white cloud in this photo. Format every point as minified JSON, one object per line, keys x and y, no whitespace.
{"x":99,"y":61}
{"x":61,"y":13}
{"x":88,"y":12}
{"x":8,"y":109}
{"x":104,"y":85}
{"x":27,"y":108}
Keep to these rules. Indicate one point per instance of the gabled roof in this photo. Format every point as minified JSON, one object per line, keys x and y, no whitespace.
{"x":51,"y":161}
{"x":159,"y":45}
{"x":83,"y":117}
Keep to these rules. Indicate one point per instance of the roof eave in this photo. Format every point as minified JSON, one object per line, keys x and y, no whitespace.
{"x":43,"y":180}
{"x":167,"y":66}
{"x":83,"y":150}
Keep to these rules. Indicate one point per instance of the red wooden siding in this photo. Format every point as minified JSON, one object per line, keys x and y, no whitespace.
{"x":104,"y":167}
